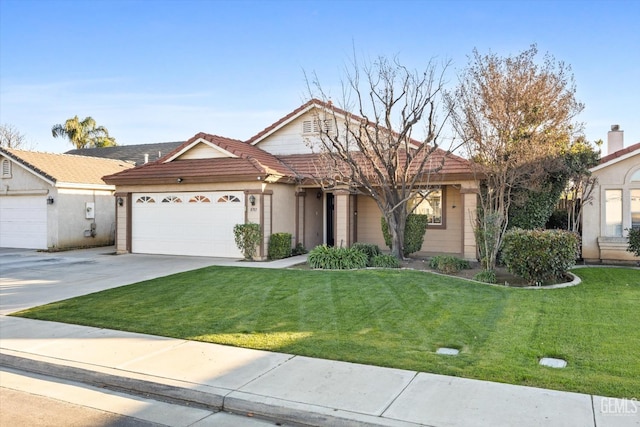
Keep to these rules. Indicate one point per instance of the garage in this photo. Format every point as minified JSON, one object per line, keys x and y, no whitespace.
{"x":23,"y":222}
{"x":194,"y":223}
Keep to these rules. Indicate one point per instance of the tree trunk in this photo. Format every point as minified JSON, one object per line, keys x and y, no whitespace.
{"x":396,"y":222}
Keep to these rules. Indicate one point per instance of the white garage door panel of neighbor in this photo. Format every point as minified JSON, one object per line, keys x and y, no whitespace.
{"x":196,"y":224}
{"x":23,"y":222}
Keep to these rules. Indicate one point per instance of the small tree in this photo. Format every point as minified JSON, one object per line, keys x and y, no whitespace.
{"x":247,"y":237}
{"x":515,"y":119}
{"x":84,"y":134}
{"x":10,"y":137}
{"x":367,"y":144}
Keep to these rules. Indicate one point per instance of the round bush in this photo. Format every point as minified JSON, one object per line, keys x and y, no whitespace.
{"x":385,"y":261}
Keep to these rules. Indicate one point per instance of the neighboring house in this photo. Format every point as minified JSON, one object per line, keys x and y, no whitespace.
{"x":135,"y":154}
{"x":615,"y":206}
{"x":55,"y":201}
{"x":188,"y":202}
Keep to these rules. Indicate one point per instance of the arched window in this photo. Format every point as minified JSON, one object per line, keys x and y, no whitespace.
{"x":228,"y":198}
{"x":145,"y":199}
{"x":172,"y":199}
{"x":636,"y":176}
{"x":199,"y":199}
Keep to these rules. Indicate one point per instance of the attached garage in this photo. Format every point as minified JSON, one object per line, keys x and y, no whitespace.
{"x":186,"y":223}
{"x":23,"y":222}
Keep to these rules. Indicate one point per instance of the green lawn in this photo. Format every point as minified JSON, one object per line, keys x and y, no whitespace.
{"x":393,"y":318}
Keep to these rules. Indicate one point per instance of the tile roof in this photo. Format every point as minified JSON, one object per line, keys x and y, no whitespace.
{"x":66,"y":167}
{"x":130,"y":153}
{"x":250,"y":163}
{"x":620,"y":153}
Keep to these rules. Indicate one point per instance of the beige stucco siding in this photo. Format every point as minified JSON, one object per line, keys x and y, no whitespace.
{"x":447,"y":240}
{"x":596,"y":245}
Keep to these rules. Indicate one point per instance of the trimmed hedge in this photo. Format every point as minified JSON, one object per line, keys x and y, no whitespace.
{"x":369,"y":249}
{"x":385,"y":261}
{"x":279,"y":246}
{"x":414,"y":231}
{"x":247,"y":237}
{"x":539,"y":256}
{"x":634,"y":241}
{"x":333,"y":258}
{"x":448,"y":264}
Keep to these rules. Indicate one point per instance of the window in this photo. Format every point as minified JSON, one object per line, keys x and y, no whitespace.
{"x":228,"y":198}
{"x":430,"y":203}
{"x":613,"y":213}
{"x":635,"y":208}
{"x":145,"y":199}
{"x":199,"y":199}
{"x":636,"y":176}
{"x":6,"y":168}
{"x":171,"y":199}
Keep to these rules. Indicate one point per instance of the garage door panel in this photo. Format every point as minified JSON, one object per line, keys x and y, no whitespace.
{"x":23,"y":222}
{"x":184,"y":228}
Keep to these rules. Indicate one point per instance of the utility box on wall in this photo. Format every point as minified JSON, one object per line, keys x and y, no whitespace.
{"x":89,"y":210}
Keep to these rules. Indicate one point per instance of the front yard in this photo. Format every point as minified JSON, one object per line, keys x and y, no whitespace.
{"x":393,"y":318}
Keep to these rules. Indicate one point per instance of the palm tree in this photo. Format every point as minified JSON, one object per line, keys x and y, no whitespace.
{"x":84,"y":134}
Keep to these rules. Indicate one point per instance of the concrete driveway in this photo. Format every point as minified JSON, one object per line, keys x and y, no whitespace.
{"x":30,"y":278}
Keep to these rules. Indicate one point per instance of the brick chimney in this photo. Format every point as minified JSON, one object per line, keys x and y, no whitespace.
{"x":615,"y":139}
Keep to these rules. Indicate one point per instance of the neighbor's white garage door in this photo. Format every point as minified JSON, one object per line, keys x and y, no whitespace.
{"x":197,"y":224}
{"x":23,"y":222}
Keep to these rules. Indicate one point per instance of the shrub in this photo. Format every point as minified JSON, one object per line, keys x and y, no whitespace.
{"x":539,"y":256}
{"x":279,"y":246}
{"x":448,"y":264}
{"x":368,"y":249}
{"x":385,"y":261}
{"x":299,"y":250}
{"x":332,"y":258}
{"x":247,"y":237}
{"x":634,"y":241}
{"x":486,"y":276}
{"x":414,"y":231}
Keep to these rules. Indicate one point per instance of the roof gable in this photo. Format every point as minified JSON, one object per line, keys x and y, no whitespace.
{"x":200,"y":149}
{"x":618,"y":156}
{"x":60,"y":169}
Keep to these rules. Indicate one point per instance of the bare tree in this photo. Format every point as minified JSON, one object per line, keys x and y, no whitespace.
{"x":367,"y":143}
{"x":10,"y":137}
{"x":515,"y":119}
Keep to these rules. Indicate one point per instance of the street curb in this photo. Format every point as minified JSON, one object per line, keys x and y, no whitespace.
{"x":237,"y":402}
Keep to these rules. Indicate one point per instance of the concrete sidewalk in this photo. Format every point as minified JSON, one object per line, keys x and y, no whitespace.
{"x":287,"y":388}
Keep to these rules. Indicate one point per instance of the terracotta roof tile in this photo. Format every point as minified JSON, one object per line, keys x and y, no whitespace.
{"x":66,"y":167}
{"x":620,"y":153}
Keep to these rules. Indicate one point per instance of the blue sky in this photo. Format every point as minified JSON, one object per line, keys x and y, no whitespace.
{"x":156,"y":71}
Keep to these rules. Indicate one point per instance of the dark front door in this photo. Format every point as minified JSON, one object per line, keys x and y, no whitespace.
{"x":329,"y":220}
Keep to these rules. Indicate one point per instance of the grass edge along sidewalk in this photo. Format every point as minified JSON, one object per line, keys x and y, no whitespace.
{"x":393,"y":318}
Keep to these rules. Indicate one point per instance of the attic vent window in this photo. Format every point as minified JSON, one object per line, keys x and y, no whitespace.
{"x":6,"y":168}
{"x":313,"y":126}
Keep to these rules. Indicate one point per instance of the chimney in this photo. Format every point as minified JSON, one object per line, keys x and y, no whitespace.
{"x":615,"y":139}
{"x":146,"y":158}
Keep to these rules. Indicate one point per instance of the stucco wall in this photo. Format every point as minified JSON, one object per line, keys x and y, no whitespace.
{"x":596,"y":246}
{"x":74,"y":229}
{"x":448,"y":240}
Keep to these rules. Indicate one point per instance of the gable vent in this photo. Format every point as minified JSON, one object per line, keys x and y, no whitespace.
{"x":313,"y":126}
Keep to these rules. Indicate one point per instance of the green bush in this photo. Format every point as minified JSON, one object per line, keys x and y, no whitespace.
{"x":414,"y":231}
{"x":247,"y":237}
{"x":448,"y":264}
{"x":634,"y":241}
{"x":369,"y":249}
{"x":385,"y":261}
{"x":299,"y":250}
{"x":486,"y":276}
{"x":333,"y":258}
{"x":539,"y":256}
{"x":279,"y":246}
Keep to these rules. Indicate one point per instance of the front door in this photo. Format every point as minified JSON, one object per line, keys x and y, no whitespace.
{"x":330,"y":239}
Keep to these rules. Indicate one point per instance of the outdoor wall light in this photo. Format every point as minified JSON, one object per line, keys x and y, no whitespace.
{"x":179,"y":180}
{"x":120,"y":201}
{"x":252,"y":200}
{"x":49,"y":200}
{"x":319,"y":195}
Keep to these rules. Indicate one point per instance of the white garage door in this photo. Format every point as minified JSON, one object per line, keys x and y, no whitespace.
{"x":197,"y":224}
{"x":23,"y":222}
